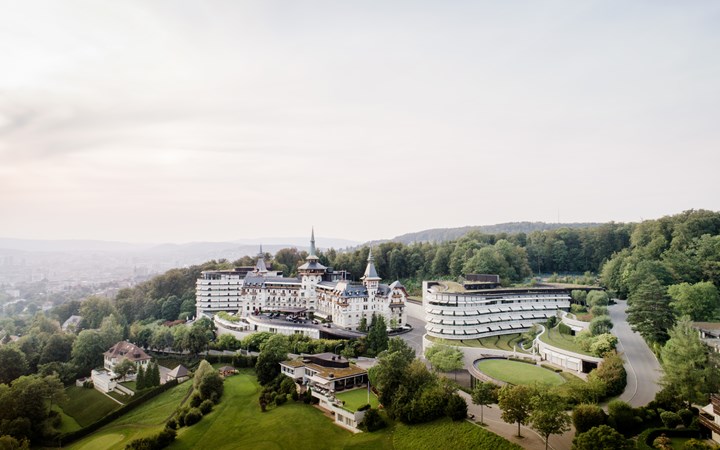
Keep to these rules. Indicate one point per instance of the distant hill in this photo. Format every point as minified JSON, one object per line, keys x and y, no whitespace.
{"x":449,"y":234}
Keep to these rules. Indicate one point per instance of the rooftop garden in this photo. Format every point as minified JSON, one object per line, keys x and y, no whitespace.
{"x":516,"y":372}
{"x":507,"y":342}
{"x":356,"y":398}
{"x":554,"y":337}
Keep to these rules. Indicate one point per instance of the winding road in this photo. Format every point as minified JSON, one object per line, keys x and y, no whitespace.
{"x":643,"y":368}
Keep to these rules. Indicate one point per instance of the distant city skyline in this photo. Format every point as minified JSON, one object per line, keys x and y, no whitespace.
{"x":161,"y":121}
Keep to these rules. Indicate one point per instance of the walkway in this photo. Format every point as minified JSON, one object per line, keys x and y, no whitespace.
{"x":643,"y":368}
{"x":530,"y":440}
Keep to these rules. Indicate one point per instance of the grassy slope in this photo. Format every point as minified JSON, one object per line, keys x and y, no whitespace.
{"x":238,"y":423}
{"x":519,"y":373}
{"x":146,"y":420}
{"x":447,"y":434}
{"x":502,"y":342}
{"x":87,"y":405}
{"x":564,"y":341}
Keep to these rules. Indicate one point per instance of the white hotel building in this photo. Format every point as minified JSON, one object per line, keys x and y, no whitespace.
{"x":478,"y":313}
{"x":317,"y":289}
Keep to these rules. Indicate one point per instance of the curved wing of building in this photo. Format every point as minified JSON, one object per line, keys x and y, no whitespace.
{"x":471,"y":314}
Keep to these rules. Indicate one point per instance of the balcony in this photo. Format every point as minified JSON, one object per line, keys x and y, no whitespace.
{"x":708,"y":421}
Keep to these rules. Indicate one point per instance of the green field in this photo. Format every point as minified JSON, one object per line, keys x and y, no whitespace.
{"x":238,"y":423}
{"x":507,"y":342}
{"x":146,"y":420}
{"x":564,"y":341}
{"x":357,"y":398}
{"x":515,"y":372}
{"x":87,"y":405}
{"x":444,"y":433}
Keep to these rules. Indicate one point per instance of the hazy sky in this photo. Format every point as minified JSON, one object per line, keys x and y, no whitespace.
{"x":210,"y":120}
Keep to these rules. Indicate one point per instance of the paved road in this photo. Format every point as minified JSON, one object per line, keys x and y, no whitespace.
{"x":414,"y":337}
{"x":643,"y":369}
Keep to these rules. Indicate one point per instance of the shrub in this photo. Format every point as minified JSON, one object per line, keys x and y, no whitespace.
{"x":172,"y":424}
{"x":587,"y":416}
{"x":564,"y":329}
{"x":670,"y":419}
{"x":456,"y":408}
{"x":280,"y":398}
{"x":372,"y":421}
{"x":552,"y":321}
{"x":686,"y":416}
{"x":192,"y":417}
{"x":195,"y":400}
{"x":157,"y":442}
{"x":364,"y":407}
{"x":621,"y":416}
{"x":206,"y":406}
{"x":694,"y":444}
{"x":612,"y":373}
{"x":295,"y":396}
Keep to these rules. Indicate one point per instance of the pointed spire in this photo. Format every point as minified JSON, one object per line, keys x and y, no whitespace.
{"x":370,"y":271}
{"x":312,"y":242}
{"x":260,"y":266}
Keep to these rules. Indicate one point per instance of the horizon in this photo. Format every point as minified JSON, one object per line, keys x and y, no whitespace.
{"x":158,"y":122}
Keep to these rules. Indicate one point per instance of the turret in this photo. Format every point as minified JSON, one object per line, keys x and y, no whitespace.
{"x":370,"y":278}
{"x":260,"y":267}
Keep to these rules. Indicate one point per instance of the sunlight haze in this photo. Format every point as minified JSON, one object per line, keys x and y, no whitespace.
{"x":174,"y":121}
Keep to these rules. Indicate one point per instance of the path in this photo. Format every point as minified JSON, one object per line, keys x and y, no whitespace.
{"x":530,"y":440}
{"x":643,"y":368}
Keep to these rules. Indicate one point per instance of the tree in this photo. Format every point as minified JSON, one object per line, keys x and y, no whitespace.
{"x":611,"y":373}
{"x":272,"y":352}
{"x":377,"y":337}
{"x":586,"y":416}
{"x":515,"y":405}
{"x":600,"y":325}
{"x":154,"y":377}
{"x":124,"y":368}
{"x":140,"y":379}
{"x":484,"y":394}
{"x":597,"y":298}
{"x":456,"y":407}
{"x":197,"y":340}
{"x":13,"y":364}
{"x":687,"y":364}
{"x":649,"y":312}
{"x":94,"y":309}
{"x":700,"y":301}
{"x":445,"y":358}
{"x":87,"y":350}
{"x":670,"y":419}
{"x":548,"y":415}
{"x":603,"y":344}
{"x":601,"y":437}
{"x":363,"y":326}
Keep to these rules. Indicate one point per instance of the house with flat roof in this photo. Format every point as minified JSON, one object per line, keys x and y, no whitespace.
{"x":326,"y":374}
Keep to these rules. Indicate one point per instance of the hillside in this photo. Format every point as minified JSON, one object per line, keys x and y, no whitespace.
{"x":449,"y":234}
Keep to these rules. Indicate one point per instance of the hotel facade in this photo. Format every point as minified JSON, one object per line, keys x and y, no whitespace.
{"x":481,"y":309}
{"x":317,"y":289}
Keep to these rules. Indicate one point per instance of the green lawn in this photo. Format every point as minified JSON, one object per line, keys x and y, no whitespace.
{"x":67,"y":423}
{"x":238,"y":423}
{"x":87,"y":405}
{"x":357,"y":398}
{"x":445,"y":433}
{"x":503,"y":342}
{"x":564,"y":341}
{"x":518,"y":373}
{"x":130,"y":385}
{"x":145,"y":420}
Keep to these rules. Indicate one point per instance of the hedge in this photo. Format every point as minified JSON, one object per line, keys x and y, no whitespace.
{"x":646,"y":438}
{"x":134,"y":403}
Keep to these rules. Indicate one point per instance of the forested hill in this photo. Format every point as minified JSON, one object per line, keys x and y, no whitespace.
{"x":449,"y":234}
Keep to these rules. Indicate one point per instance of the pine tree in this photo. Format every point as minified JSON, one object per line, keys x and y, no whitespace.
{"x":649,"y":311}
{"x":156,"y":375}
{"x":140,"y":379}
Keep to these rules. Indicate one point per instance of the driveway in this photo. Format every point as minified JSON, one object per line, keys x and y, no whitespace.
{"x":643,"y":368}
{"x":414,"y":336}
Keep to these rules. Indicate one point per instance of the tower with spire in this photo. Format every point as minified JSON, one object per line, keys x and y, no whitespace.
{"x":370,"y":279}
{"x":260,"y":266}
{"x":311,"y":273}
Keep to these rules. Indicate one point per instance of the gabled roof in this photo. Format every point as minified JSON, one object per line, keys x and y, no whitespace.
{"x":127,"y":350}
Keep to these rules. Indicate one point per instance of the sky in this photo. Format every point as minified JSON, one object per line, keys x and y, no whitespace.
{"x":180,"y":121}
